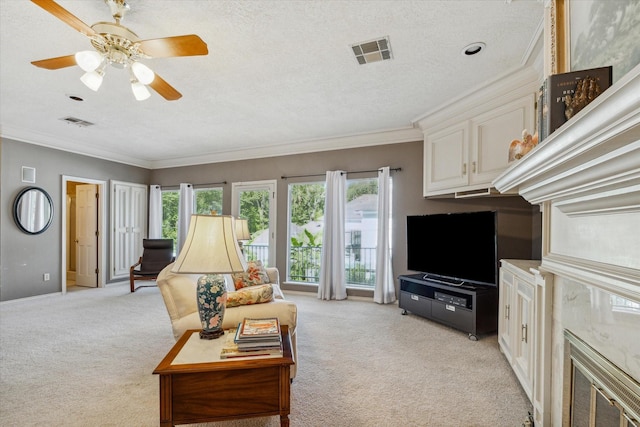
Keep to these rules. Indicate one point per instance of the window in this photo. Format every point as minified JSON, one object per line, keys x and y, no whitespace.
{"x":306,"y":214}
{"x":207,"y":202}
{"x":361,"y":230}
{"x":306,"y":210}
{"x":170,"y":203}
{"x":256,"y":202}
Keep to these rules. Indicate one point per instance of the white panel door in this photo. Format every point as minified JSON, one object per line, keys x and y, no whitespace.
{"x":120,"y":219}
{"x":138,"y":221}
{"x":128,"y":219}
{"x":86,"y":235}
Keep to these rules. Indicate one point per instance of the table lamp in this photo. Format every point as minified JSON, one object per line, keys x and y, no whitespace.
{"x":242,"y":231}
{"x":211,"y":248}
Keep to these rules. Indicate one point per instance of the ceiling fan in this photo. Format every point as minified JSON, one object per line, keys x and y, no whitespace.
{"x":116,"y":45}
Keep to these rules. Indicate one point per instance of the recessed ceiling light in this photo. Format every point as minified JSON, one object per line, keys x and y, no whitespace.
{"x":473,"y":48}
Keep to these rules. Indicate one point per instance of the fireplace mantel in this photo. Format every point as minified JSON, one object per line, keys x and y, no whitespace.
{"x":592,"y":163}
{"x":586,"y":179}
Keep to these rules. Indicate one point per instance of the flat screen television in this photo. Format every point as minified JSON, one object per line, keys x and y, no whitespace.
{"x":455,"y":248}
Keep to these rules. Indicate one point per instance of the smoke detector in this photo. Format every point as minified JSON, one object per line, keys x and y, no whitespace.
{"x":372,"y":50}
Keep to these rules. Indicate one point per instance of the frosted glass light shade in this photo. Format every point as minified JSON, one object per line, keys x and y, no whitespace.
{"x":144,"y":74}
{"x":92,"y":80}
{"x":88,"y":60}
{"x":211,"y":246}
{"x":140,"y":91}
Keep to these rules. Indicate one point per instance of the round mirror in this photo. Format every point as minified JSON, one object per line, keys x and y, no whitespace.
{"x":33,"y":210}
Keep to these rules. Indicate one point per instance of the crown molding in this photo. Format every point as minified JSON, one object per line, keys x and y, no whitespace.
{"x":384,"y":137}
{"x":393,"y":136}
{"x":55,"y":143}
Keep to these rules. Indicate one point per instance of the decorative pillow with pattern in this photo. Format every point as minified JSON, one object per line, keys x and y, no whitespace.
{"x":255,"y":275}
{"x":250,"y":295}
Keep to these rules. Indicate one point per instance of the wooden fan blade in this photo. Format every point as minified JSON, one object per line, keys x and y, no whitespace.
{"x":189,"y":45}
{"x":56,"y":63}
{"x":64,"y":15}
{"x":167,"y":91}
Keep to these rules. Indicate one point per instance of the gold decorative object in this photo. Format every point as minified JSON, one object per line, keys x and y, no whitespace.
{"x":587,"y":90}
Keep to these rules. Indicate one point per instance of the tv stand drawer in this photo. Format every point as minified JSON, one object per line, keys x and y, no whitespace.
{"x":415,"y":303}
{"x":453,"y":315}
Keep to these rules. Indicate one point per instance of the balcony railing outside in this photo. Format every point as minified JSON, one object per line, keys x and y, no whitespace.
{"x":256,"y":252}
{"x":304,"y":263}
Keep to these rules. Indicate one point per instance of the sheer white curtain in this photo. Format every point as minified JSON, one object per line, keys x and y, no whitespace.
{"x":384,"y":291}
{"x":185,"y":210}
{"x":332,"y":278}
{"x":155,"y":212}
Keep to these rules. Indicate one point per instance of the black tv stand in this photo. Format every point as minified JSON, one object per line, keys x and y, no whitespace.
{"x":469,"y":308}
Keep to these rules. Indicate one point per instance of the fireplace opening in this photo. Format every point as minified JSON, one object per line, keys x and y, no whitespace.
{"x":601,"y":394}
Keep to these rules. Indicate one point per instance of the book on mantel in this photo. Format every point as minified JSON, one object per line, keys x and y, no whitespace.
{"x":231,"y":349}
{"x":562,"y":96}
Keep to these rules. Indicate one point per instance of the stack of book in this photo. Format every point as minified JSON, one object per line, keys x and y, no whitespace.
{"x":253,"y":337}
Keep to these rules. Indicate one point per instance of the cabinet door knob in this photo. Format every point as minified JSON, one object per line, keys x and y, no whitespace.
{"x":464,"y":169}
{"x":524,"y":333}
{"x":473,"y":167}
{"x":506,"y":311}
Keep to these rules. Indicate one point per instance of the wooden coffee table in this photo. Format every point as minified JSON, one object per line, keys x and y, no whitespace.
{"x":196,"y":386}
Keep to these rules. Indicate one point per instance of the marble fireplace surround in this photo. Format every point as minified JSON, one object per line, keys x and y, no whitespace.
{"x":586,"y":178}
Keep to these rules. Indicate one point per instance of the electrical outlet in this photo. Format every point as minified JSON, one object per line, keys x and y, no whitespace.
{"x":45,"y":277}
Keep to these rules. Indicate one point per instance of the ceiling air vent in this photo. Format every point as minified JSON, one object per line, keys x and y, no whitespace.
{"x":372,"y":51}
{"x":77,"y":122}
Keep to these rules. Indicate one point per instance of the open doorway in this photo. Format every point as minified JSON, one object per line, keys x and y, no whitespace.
{"x":83,"y":246}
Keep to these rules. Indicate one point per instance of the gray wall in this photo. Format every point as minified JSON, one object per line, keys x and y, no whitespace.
{"x":24,"y":258}
{"x":407,"y":188}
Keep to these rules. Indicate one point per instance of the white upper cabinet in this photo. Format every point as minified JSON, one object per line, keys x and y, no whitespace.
{"x":445,"y":158}
{"x":466,"y":156}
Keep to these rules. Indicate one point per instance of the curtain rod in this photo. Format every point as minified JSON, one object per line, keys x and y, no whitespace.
{"x":347,"y":172}
{"x":208,"y":184}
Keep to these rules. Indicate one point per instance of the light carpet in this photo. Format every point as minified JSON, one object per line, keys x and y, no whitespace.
{"x":86,"y":359}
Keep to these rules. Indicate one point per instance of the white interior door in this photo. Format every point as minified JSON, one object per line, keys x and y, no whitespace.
{"x":86,"y":235}
{"x":129,"y":224}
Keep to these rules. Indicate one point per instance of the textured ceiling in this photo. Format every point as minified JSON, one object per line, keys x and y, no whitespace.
{"x":280,"y":76}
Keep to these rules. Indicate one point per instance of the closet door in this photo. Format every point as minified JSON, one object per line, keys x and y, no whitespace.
{"x":128,"y":225}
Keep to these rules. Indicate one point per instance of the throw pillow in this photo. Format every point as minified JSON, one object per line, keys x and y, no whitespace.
{"x":255,"y":275}
{"x":250,"y":295}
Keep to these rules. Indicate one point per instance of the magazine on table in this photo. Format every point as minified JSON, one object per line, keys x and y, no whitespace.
{"x":252,"y":328}
{"x":230,"y":349}
{"x":251,"y":343}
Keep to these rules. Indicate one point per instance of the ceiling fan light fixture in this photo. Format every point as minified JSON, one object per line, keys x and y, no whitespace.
{"x":93,"y":79}
{"x":143,"y":74}
{"x":139,"y":90}
{"x":88,"y":60}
